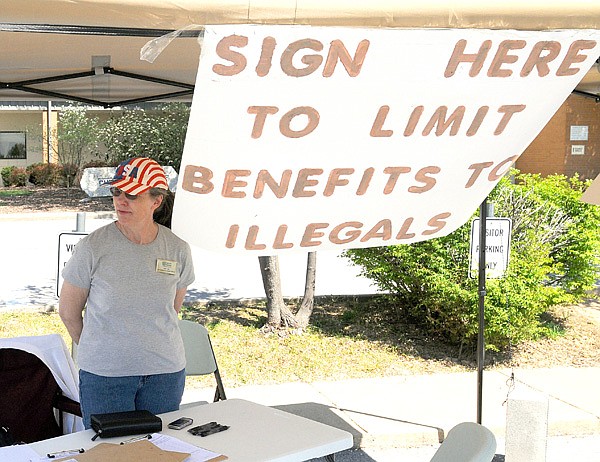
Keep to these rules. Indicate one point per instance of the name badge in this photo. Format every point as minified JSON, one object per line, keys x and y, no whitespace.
{"x":166,"y":266}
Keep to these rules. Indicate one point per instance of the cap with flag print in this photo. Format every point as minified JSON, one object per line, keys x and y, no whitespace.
{"x":139,"y":174}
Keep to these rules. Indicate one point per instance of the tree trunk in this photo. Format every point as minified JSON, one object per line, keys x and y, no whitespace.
{"x":308,"y":300}
{"x":278,"y":314}
{"x":269,"y":269}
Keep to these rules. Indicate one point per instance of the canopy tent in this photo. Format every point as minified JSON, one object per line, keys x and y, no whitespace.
{"x":96,"y":44}
{"x":88,"y":50}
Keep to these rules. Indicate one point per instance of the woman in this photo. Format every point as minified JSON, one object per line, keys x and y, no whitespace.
{"x":132,"y":276}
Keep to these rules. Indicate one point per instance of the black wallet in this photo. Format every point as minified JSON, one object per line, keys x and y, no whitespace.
{"x":124,"y":423}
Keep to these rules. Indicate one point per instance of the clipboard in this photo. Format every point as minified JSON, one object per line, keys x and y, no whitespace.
{"x":139,"y":451}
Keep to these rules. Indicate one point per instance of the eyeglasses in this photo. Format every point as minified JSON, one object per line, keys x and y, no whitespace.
{"x":116,"y":192}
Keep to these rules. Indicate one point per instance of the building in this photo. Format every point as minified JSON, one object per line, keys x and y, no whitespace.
{"x":569,"y":144}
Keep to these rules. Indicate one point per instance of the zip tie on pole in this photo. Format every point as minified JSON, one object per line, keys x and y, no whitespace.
{"x":155,"y":47}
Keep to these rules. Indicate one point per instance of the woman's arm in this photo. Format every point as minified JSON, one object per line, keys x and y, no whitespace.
{"x":179,"y":296}
{"x":70,"y":308}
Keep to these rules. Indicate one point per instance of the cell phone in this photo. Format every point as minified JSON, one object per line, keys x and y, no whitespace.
{"x":180,"y":423}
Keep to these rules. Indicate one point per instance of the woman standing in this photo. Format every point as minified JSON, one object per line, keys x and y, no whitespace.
{"x":131,"y":277}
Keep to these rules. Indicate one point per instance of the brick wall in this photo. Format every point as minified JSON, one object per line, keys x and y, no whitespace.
{"x":550,"y":152}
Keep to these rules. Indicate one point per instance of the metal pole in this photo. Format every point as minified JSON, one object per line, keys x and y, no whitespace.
{"x":482,"y":292}
{"x":80,"y":223}
{"x":49,"y":130}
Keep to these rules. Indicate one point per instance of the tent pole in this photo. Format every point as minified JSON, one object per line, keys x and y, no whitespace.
{"x":49,"y":140}
{"x":482,"y":293}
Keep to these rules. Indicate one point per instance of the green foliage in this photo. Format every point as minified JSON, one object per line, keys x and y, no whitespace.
{"x":4,"y":173}
{"x":45,"y":174}
{"x":77,"y":137}
{"x":14,"y":176}
{"x":554,"y":257}
{"x":159,"y":135}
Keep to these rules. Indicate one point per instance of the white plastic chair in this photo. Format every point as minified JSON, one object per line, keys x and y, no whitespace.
{"x":467,"y":442}
{"x":199,"y":354}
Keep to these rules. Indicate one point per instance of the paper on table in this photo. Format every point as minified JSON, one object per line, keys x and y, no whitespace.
{"x":18,"y":453}
{"x":170,"y":443}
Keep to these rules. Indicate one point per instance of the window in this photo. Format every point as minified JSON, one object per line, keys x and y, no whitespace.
{"x":12,"y":145}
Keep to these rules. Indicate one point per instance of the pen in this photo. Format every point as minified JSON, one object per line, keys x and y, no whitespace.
{"x":210,"y":431}
{"x":137,"y":438}
{"x":66,"y":452}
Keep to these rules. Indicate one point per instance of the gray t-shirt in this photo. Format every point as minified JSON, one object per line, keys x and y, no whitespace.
{"x":130,"y":326}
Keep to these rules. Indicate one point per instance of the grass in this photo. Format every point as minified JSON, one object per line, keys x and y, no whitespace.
{"x":8,"y":193}
{"x":14,"y":192}
{"x":344,"y":341}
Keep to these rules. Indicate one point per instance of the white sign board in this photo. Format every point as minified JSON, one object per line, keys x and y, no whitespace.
{"x":66,"y":245}
{"x":577,"y":150}
{"x":579,"y":133}
{"x":311,"y":138}
{"x":497,"y":247}
{"x":95,"y":181}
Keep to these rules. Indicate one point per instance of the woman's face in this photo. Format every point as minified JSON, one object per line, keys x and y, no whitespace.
{"x":136,"y":209}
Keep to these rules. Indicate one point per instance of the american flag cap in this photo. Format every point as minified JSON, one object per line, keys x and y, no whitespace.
{"x":139,"y":174}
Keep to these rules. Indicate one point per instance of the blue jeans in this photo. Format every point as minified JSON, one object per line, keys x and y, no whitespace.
{"x":155,"y":393}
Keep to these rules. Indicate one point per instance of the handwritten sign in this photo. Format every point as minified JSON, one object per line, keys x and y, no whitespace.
{"x":309,"y":138}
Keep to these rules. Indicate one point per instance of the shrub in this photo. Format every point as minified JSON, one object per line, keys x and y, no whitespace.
{"x":14,"y":176}
{"x":44,"y":174}
{"x":4,"y":173}
{"x":553,"y":259}
{"x":69,"y":174}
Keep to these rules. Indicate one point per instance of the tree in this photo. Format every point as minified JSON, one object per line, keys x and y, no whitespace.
{"x":158,"y":134}
{"x":76,"y":137}
{"x":279,"y":316}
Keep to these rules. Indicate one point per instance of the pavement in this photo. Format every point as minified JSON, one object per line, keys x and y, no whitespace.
{"x":405,"y":418}
{"x":401,"y":418}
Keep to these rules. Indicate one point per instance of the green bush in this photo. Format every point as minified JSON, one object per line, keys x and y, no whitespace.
{"x":553,"y":259}
{"x":159,"y":135}
{"x":4,"y":173}
{"x":14,"y":176}
{"x":41,"y":174}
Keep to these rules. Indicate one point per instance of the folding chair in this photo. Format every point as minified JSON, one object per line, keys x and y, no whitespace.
{"x":199,"y":354}
{"x":467,"y":442}
{"x":31,"y":401}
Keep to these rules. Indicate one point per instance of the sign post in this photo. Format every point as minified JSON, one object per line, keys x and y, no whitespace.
{"x":490,"y":246}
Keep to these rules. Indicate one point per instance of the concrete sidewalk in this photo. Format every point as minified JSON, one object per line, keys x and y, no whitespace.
{"x":405,"y":417}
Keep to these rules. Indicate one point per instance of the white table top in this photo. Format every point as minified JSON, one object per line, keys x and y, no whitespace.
{"x":256,"y":433}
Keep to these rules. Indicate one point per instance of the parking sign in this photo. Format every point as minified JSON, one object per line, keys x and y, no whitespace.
{"x":497,"y":247}
{"x":66,"y":245}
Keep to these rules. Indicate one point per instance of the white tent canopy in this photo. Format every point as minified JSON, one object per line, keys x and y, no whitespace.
{"x":97,"y":42}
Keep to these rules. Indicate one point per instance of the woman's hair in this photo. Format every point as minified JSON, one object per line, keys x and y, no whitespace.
{"x":163,"y":214}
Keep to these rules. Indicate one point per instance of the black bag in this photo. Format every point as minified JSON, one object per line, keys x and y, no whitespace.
{"x":6,"y":438}
{"x":125,"y":423}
